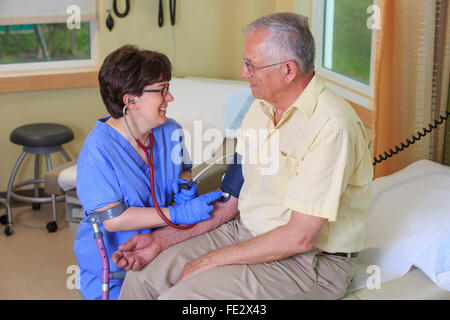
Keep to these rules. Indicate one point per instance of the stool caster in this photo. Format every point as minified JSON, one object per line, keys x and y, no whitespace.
{"x":52,"y":226}
{"x":36,"y":206}
{"x":6,"y":218}
{"x":8,"y":231}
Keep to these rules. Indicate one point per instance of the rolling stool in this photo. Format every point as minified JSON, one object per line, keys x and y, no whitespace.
{"x":39,"y":138}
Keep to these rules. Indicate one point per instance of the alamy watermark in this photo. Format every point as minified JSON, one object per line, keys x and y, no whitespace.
{"x":374,"y":280}
{"x":374,"y":21}
{"x":73,"y":21}
{"x":73,"y":280}
{"x":258,"y":147}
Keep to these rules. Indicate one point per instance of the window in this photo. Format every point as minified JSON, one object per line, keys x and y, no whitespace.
{"x":44,"y":42}
{"x":345,"y":46}
{"x":47,"y":35}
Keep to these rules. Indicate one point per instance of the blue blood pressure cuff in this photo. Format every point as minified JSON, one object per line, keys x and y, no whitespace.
{"x":233,"y":179}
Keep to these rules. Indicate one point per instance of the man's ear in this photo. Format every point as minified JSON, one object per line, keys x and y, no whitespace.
{"x":291,"y":71}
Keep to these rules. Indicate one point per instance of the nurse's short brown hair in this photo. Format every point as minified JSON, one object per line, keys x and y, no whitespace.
{"x":128,"y":70}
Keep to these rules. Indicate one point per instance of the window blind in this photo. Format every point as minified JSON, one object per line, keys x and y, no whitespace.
{"x":13,"y":12}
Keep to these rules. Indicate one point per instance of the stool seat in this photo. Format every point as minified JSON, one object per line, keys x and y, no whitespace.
{"x":41,"y":135}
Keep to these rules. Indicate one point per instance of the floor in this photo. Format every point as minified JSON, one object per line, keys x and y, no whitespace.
{"x":36,"y":264}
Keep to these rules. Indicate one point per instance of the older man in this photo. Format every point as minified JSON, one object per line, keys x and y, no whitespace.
{"x":300,"y":225}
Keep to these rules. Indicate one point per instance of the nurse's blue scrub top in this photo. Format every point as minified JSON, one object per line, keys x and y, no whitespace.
{"x":110,"y":170}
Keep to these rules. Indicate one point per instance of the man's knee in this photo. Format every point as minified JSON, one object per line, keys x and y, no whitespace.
{"x":134,"y":288}
{"x":181,"y":292}
{"x":173,"y":294}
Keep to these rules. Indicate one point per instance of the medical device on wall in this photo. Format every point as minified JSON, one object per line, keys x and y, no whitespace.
{"x":160,"y":14}
{"x":409,"y":142}
{"x":110,"y":20}
{"x":172,"y":9}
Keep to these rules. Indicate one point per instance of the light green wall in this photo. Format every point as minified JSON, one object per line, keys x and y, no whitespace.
{"x":304,"y":7}
{"x":208,"y":41}
{"x":207,"y":35}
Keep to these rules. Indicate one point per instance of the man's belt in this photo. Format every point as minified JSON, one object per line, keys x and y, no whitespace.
{"x":342,"y":254}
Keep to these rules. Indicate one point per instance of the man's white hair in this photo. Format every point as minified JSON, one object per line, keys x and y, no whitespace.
{"x":289,"y":38}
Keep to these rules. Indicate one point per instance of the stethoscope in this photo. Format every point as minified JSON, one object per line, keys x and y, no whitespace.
{"x":109,"y":19}
{"x":148,"y":150}
{"x":105,"y":272}
{"x":172,"y":8}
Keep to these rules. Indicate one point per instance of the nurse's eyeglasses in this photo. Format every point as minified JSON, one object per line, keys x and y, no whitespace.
{"x":163,"y":91}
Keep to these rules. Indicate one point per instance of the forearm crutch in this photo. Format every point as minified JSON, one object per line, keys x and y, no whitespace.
{"x":106,"y":275}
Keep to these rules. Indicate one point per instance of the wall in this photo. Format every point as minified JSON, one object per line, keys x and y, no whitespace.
{"x":208,"y":43}
{"x":207,"y":35}
{"x":304,"y":7}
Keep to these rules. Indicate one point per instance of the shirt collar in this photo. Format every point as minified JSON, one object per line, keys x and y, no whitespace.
{"x":306,"y":102}
{"x":267,"y":108}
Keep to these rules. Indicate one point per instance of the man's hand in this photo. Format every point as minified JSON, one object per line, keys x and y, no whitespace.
{"x":203,"y":263}
{"x":137,"y":252}
{"x":297,"y":236}
{"x":142,"y":249}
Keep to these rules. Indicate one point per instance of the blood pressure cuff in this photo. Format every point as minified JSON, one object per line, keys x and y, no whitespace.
{"x":233,"y":179}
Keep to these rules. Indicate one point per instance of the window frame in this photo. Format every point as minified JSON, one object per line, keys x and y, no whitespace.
{"x":349,"y":88}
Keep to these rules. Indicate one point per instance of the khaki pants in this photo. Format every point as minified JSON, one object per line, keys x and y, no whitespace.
{"x":309,"y":275}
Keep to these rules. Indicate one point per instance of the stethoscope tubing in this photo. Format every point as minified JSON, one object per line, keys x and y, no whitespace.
{"x":149,"y":150}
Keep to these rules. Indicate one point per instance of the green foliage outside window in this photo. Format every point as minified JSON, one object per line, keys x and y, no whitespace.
{"x":352,"y":39}
{"x":44,"y":42}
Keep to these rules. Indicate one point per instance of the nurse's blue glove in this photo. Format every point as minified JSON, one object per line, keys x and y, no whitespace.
{"x":182,"y":194}
{"x":195,"y":210}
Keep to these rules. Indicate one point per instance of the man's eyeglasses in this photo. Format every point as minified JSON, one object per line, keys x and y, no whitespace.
{"x":251,"y":68}
{"x":163,"y":91}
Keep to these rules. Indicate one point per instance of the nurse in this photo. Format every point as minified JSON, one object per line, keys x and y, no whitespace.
{"x":112,"y":169}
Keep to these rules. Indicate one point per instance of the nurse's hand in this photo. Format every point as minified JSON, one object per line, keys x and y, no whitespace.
{"x":195,"y":210}
{"x":137,"y":252}
{"x":182,"y":195}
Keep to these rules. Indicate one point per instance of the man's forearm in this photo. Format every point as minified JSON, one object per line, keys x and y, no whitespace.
{"x":297,"y":236}
{"x":223,"y":212}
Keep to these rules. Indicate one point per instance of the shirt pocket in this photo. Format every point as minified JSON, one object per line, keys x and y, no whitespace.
{"x":288,"y":164}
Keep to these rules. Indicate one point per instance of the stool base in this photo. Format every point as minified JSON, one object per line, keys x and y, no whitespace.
{"x":6,"y":219}
{"x":36,"y":200}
